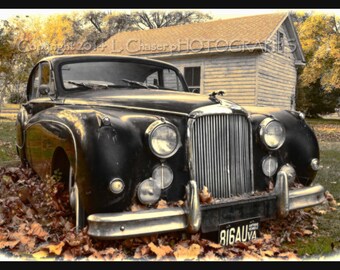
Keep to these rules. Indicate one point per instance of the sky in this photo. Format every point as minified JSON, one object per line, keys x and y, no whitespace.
{"x":215,"y":13}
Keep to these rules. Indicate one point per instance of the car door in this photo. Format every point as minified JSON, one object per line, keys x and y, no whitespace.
{"x":37,"y":132}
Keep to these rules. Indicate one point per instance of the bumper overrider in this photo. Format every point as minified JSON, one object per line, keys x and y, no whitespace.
{"x":207,"y":218}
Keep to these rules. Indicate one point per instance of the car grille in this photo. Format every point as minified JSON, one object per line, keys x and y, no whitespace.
{"x":222,"y":154}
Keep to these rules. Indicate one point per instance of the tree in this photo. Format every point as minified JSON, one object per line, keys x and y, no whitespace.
{"x":319,"y":80}
{"x":157,"y":19}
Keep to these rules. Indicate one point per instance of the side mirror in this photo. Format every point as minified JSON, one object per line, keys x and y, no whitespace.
{"x":44,"y":89}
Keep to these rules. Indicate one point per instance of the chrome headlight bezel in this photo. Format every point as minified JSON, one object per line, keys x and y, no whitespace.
{"x":151,"y":130}
{"x":276,"y":165}
{"x":264,"y":125}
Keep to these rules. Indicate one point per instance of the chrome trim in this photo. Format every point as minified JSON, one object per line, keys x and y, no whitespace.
{"x":264,"y":160}
{"x":116,"y":180}
{"x":315,"y":164}
{"x":129,"y":224}
{"x":263,"y":124}
{"x":193,"y":207}
{"x":152,"y":127}
{"x":211,"y":111}
{"x":288,"y":200}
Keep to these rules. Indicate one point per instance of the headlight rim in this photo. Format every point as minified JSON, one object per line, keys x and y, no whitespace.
{"x":264,"y":123}
{"x":276,"y":162}
{"x":153,"y":127}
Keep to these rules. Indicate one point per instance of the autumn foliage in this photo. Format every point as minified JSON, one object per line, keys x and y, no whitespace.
{"x":36,"y":223}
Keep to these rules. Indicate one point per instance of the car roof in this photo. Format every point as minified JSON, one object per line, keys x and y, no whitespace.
{"x":56,"y":59}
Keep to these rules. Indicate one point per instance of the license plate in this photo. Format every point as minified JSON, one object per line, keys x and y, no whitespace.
{"x":240,"y":231}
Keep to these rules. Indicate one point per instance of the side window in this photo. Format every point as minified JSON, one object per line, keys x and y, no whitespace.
{"x":280,"y":42}
{"x":171,"y":80}
{"x":153,"y":79}
{"x":34,"y":84}
{"x":41,"y":75}
{"x":192,"y":76}
{"x":45,"y":73}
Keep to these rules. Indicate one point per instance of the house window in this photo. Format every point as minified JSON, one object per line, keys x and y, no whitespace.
{"x":192,"y":76}
{"x":280,"y":42}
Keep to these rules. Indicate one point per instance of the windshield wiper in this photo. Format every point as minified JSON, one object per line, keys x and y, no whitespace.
{"x":135,"y":83}
{"x":79,"y":84}
{"x":91,"y":85}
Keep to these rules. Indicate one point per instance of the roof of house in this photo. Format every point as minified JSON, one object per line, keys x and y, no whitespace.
{"x":198,"y":37}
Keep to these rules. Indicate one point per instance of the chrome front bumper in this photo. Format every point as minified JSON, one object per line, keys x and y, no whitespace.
{"x":189,"y":217}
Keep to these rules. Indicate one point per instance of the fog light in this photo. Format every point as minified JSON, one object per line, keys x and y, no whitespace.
{"x":164,"y":175}
{"x":315,"y":164}
{"x":117,"y":185}
{"x":269,"y":166}
{"x":291,"y":174}
{"x":149,"y":191}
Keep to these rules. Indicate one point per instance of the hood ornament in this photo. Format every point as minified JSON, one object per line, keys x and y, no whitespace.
{"x":213,"y":96}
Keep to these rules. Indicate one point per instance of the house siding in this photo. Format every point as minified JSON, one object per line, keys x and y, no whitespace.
{"x":276,"y":75}
{"x":234,"y":73}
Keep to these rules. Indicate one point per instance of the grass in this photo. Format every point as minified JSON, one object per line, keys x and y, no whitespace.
{"x":319,"y":244}
{"x":8,"y":153}
{"x":327,"y":237}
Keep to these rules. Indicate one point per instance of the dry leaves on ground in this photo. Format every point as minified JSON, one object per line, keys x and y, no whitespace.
{"x":36,"y":222}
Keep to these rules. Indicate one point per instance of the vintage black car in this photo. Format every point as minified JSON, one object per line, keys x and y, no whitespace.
{"x":127,"y":130}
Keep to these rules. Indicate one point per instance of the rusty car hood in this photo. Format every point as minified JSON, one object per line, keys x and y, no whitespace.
{"x":171,"y":101}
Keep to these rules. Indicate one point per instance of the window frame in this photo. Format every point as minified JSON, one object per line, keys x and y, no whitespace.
{"x":280,"y":43}
{"x":192,"y":87}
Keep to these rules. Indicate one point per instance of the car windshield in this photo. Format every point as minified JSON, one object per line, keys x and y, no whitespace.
{"x":116,"y":74}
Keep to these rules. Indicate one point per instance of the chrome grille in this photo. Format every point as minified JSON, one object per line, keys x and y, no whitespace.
{"x":221,"y":154}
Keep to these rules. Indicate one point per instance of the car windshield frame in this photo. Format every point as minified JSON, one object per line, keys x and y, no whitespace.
{"x":132,"y":61}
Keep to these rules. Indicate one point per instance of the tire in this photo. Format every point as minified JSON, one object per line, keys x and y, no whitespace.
{"x":75,"y":202}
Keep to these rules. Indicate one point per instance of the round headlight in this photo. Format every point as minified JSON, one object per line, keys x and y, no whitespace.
{"x":269,"y":166}
{"x":164,"y":138}
{"x":149,"y":191}
{"x":272,"y":133}
{"x":164,"y":175}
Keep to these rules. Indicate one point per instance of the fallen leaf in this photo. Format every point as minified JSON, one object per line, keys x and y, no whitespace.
{"x":37,"y":230}
{"x":160,"y":251}
{"x":267,"y":237}
{"x":40,"y":254}
{"x":210,"y":256}
{"x":251,"y":257}
{"x":307,"y":232}
{"x":332,"y":203}
{"x":10,"y":244}
{"x":321,"y":212}
{"x":190,"y":253}
{"x":268,"y":253}
{"x":214,"y":245}
{"x":205,"y":195}
{"x":162,"y":204}
{"x":289,"y":256}
{"x":56,"y":249}
{"x":137,"y":207}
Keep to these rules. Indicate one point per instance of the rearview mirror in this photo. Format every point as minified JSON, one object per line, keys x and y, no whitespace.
{"x":44,"y":89}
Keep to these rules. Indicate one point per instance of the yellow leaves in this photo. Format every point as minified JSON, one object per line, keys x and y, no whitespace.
{"x":40,"y":254}
{"x":160,"y":251}
{"x":187,"y":253}
{"x":56,"y":249}
{"x":319,"y":41}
